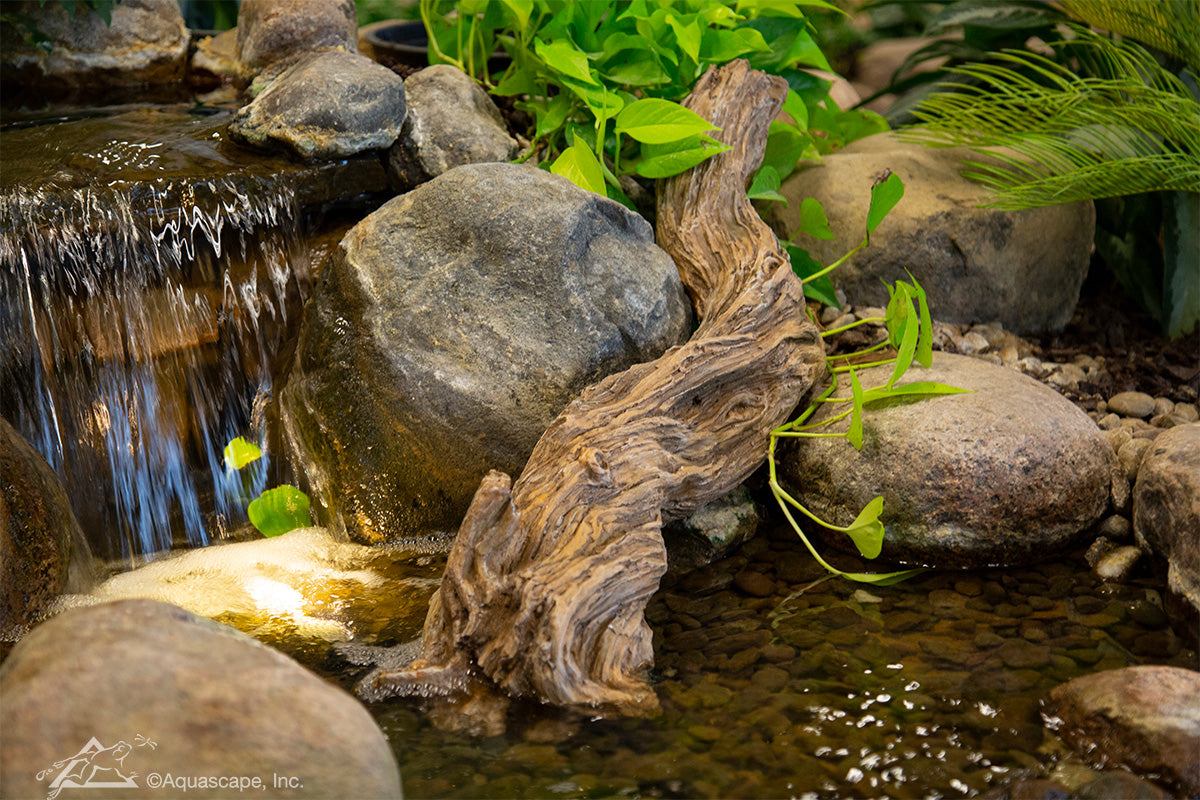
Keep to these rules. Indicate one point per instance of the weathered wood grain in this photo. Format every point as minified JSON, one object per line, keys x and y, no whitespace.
{"x":548,"y":579}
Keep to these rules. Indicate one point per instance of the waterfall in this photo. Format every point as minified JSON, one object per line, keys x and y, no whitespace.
{"x":139,"y":321}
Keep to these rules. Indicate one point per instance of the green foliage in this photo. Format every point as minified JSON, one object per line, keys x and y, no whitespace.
{"x":608,"y":75}
{"x":277,"y":510}
{"x":910,"y":332}
{"x":1115,"y":123}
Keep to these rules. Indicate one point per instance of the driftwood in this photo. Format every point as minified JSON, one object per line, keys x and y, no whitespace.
{"x":548,"y":579}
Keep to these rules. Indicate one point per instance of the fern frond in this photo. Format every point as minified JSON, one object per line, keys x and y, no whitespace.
{"x":1172,"y":26}
{"x":1132,"y":128}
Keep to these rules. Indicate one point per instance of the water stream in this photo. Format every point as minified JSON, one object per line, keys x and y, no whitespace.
{"x":146,"y":285}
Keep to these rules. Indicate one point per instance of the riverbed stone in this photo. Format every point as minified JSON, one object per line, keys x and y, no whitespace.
{"x":1143,"y":718}
{"x":1166,"y":515}
{"x":451,"y":121}
{"x":1003,"y":474}
{"x":450,"y":328}
{"x":326,"y":105}
{"x":37,"y":532}
{"x":1131,"y":404}
{"x":272,"y":30}
{"x":173,"y":694}
{"x":1022,"y":268}
{"x":712,"y":532}
{"x":146,"y":43}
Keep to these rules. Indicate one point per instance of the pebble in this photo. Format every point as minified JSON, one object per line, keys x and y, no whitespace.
{"x":1117,"y":437}
{"x":1131,"y":404}
{"x":829,"y":314}
{"x":1163,"y":406}
{"x":1118,"y":563}
{"x":1187,"y":411}
{"x":1068,"y":375}
{"x":1110,"y":422}
{"x":754,"y":584}
{"x":1116,"y":528}
{"x":1120,"y":493}
{"x":1130,"y":455}
{"x":869,"y":312}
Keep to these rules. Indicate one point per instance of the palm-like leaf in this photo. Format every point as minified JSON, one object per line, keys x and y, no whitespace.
{"x":1132,"y":127}
{"x":1172,"y":27}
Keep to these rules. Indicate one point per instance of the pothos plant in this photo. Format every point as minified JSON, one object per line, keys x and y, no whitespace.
{"x":910,"y":335}
{"x":602,"y":80}
{"x":277,"y":510}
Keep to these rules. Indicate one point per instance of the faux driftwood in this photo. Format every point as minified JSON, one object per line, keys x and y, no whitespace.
{"x":548,"y":579}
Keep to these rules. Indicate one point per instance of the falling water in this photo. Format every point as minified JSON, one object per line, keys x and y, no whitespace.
{"x":140,"y":312}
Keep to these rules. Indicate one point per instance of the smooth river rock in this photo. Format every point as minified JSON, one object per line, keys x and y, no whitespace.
{"x":269,"y":31}
{"x":37,"y":531}
{"x":146,"y":691}
{"x":1022,"y":268}
{"x":146,"y":43}
{"x":1002,"y":475}
{"x":1166,"y":516}
{"x":1143,"y":718}
{"x":451,"y":121}
{"x":449,"y":329}
{"x":326,"y":105}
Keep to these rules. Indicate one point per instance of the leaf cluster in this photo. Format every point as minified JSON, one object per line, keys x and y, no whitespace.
{"x":910,"y":335}
{"x":277,"y":510}
{"x":601,"y":81}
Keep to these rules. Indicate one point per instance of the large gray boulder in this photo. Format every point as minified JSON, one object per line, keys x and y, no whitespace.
{"x":1145,"y":719}
{"x":1166,"y":515}
{"x":37,"y":532}
{"x":148,"y":692}
{"x":146,"y":43}
{"x":1002,"y":475}
{"x":1022,"y":268}
{"x":451,"y":121}
{"x":328,"y":104}
{"x":269,"y":31}
{"x":450,"y":328}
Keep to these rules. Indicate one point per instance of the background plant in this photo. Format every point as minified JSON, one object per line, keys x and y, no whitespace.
{"x":1110,"y":118}
{"x":585,"y":73}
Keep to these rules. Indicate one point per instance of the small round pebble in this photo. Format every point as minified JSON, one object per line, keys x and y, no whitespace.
{"x":1116,"y":528}
{"x":1131,"y":404}
{"x":754,"y":584}
{"x":1116,"y":564}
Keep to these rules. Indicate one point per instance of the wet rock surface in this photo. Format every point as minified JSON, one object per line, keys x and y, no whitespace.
{"x":451,"y":121}
{"x":451,"y":328}
{"x":146,"y":43}
{"x":212,"y":701}
{"x":37,"y":532}
{"x":1166,"y":513}
{"x":272,"y":30}
{"x":1001,"y":475}
{"x":1144,"y":718}
{"x":1023,"y":268}
{"x":713,"y":532}
{"x":326,"y":105}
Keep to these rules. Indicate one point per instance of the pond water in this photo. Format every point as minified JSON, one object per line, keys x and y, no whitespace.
{"x":930,"y":688}
{"x":124,"y":304}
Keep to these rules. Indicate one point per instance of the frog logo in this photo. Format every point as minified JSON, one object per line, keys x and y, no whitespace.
{"x":95,"y":767}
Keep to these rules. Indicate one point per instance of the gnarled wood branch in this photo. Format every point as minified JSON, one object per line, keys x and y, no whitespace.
{"x":548,"y":579}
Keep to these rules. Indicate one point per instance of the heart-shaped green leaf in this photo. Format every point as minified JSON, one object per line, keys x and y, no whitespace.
{"x":239,"y":453}
{"x":578,"y":164}
{"x":813,"y":220}
{"x":653,"y":120}
{"x":280,"y":510}
{"x":867,"y":531}
{"x":884,"y":196}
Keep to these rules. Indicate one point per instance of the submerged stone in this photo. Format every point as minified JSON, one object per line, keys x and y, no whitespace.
{"x":326,"y":105}
{"x":451,"y":327}
{"x":1001,"y":475}
{"x":1023,"y":268}
{"x":1143,"y":718}
{"x":165,"y":693}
